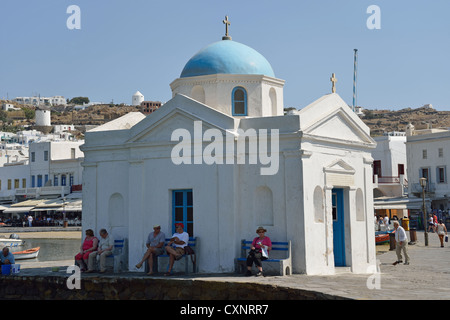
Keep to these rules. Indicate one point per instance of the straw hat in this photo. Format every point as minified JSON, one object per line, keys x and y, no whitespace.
{"x":261,"y":228}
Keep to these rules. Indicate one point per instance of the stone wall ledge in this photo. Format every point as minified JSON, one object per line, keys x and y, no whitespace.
{"x":16,"y":287}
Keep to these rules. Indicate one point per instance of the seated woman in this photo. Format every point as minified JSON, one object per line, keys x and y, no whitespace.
{"x":89,"y":245}
{"x":256,"y":254}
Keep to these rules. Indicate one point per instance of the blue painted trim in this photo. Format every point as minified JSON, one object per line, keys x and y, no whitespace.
{"x":338,"y":228}
{"x":234,"y":101}
{"x":185,"y":206}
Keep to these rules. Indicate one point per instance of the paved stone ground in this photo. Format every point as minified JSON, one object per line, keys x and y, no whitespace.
{"x":427,"y":276}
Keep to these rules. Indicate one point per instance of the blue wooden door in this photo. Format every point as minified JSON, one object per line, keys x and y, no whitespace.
{"x":338,"y":227}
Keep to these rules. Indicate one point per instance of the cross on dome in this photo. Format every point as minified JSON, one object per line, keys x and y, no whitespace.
{"x":227,"y":23}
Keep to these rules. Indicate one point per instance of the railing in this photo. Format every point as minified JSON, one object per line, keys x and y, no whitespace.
{"x":417,"y":188}
{"x":54,"y":190}
{"x":389,"y":180}
{"x":35,"y":192}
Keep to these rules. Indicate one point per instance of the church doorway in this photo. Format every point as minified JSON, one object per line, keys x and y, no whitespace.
{"x":338,"y":227}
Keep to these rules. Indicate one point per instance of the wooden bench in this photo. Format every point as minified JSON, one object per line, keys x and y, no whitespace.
{"x":193,"y":243}
{"x":278,"y":249}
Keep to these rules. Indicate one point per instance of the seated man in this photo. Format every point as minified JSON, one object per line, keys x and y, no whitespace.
{"x":105,"y":247}
{"x":179,"y":240}
{"x":6,"y":257}
{"x":155,"y":244}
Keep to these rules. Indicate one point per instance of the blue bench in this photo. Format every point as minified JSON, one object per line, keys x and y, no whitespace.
{"x":119,"y":255}
{"x":278,"y":249}
{"x":118,"y":258}
{"x":193,"y":243}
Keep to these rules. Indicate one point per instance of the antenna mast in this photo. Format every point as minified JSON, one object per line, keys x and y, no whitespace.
{"x":355,"y":65}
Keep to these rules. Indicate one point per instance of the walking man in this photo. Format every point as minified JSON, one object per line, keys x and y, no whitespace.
{"x":401,"y":244}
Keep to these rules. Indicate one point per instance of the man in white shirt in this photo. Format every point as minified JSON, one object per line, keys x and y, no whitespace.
{"x":386,"y":222}
{"x":30,"y":221}
{"x":401,"y":243}
{"x":175,"y":247}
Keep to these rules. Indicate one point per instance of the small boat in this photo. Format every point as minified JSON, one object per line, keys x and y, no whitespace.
{"x":26,"y":254}
{"x":12,"y":241}
{"x":382,"y":236}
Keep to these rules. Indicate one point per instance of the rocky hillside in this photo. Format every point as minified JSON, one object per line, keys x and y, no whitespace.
{"x":381,"y":121}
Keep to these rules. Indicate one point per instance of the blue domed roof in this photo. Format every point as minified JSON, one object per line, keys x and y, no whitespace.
{"x":229,"y":57}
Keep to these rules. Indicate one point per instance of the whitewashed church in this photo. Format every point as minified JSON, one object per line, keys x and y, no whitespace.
{"x":221,"y":157}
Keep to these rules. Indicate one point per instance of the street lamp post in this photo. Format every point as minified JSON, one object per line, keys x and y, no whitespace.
{"x":64,"y":213}
{"x":423,"y":184}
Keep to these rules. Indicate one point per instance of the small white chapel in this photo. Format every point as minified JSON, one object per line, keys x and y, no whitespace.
{"x":222,"y":158}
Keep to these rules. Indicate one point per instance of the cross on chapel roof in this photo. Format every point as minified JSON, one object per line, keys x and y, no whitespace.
{"x":333,"y":80}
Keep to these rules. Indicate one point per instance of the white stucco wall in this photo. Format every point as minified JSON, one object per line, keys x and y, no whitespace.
{"x":218,"y":92}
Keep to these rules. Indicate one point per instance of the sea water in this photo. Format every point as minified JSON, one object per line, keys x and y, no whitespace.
{"x":51,"y":249}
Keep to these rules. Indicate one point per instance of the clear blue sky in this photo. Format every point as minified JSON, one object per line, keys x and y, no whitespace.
{"x":124,"y":46}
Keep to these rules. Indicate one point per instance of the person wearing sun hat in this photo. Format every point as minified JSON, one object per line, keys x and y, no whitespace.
{"x":155,"y":245}
{"x":175,"y":247}
{"x":260,"y":248}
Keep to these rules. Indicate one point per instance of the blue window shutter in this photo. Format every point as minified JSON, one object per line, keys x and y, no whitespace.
{"x":239,"y":101}
{"x":182,"y":210}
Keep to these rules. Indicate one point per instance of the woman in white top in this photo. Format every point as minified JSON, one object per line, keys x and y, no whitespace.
{"x":430,"y":223}
{"x":441,"y":231}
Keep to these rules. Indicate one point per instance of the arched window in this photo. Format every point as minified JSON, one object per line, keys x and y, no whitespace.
{"x":118,"y":217}
{"x":273,"y":101}
{"x":319,"y":215}
{"x":198,"y":93}
{"x":239,"y":101}
{"x":360,"y":212}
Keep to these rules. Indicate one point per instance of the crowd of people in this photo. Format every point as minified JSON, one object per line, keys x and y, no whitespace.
{"x":41,"y":220}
